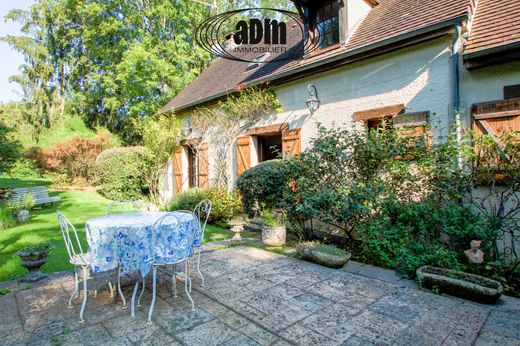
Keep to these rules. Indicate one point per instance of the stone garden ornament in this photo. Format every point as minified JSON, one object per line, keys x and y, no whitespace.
{"x":475,"y":255}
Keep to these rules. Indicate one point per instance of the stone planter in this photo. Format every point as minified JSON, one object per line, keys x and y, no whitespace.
{"x":274,"y":237}
{"x":460,"y":284}
{"x":22,"y":216}
{"x":33,"y":260}
{"x":308,"y":253}
{"x":236,"y":227}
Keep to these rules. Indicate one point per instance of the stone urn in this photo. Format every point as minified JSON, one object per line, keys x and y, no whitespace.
{"x":274,"y":236}
{"x":236,"y":226}
{"x":32,"y":259}
{"x":325,"y":255}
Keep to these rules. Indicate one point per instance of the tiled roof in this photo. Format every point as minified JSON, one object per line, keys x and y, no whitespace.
{"x":388,"y":20}
{"x":497,"y":23}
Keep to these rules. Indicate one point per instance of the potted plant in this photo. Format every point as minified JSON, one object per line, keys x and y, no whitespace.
{"x":274,"y":231}
{"x":236,"y":226}
{"x":460,"y":284}
{"x":33,"y":257}
{"x":326,"y":255}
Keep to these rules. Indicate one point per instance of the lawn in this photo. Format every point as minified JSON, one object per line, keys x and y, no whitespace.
{"x":43,"y":227}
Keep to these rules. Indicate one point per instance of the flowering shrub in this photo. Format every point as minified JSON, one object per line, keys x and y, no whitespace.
{"x":75,"y":157}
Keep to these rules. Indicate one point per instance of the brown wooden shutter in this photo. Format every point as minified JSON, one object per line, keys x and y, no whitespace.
{"x":495,"y":118}
{"x":291,"y":142}
{"x":203,"y":166}
{"x":243,"y":154}
{"x":177,"y":170}
{"x":416,"y":124}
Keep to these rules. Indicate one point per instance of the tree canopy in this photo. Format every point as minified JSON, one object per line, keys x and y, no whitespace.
{"x":111,"y":62}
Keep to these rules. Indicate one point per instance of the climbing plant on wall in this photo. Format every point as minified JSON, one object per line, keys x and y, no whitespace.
{"x":222,"y":124}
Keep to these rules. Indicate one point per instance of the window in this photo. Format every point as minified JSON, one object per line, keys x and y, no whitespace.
{"x":257,"y":61}
{"x":193,"y":164}
{"x":512,"y":91}
{"x":327,"y":24}
{"x":269,"y":147}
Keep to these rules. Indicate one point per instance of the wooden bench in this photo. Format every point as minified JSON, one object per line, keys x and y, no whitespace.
{"x":39,"y":193}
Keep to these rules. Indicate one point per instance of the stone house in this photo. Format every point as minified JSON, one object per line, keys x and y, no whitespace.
{"x":429,"y":64}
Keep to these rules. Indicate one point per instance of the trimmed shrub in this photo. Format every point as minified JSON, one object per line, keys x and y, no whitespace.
{"x":262,"y":186}
{"x":224,"y":203}
{"x":75,"y":157}
{"x":9,"y":148}
{"x":121,"y":173}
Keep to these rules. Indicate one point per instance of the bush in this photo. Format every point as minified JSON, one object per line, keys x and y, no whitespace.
{"x":25,"y":168}
{"x":9,"y":149}
{"x":223,"y":203}
{"x":262,"y":186}
{"x":121,"y":173}
{"x":76,"y":157}
{"x":7,"y":219}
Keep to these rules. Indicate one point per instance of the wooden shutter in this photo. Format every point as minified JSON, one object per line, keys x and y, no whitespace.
{"x":379,"y":113}
{"x":416,"y":124}
{"x":243,"y":154}
{"x":291,"y":142}
{"x":495,"y":118}
{"x":177,"y":170}
{"x":203,"y":168}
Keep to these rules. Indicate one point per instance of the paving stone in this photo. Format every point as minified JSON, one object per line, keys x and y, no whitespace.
{"x":398,"y":309}
{"x":214,"y":332}
{"x":160,"y":338}
{"x":353,"y":267}
{"x":131,"y":329}
{"x":92,"y":335}
{"x":506,"y":323}
{"x":253,"y":297}
{"x":487,"y":338}
{"x":258,"y":334}
{"x":241,"y":340}
{"x":376,"y":328}
{"x":333,"y":321}
{"x":184,"y":320}
{"x":382,"y":274}
{"x":357,"y":341}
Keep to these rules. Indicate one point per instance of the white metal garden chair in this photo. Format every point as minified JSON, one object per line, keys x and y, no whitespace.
{"x":79,"y":259}
{"x":202,"y":212}
{"x":123,"y":207}
{"x":171,"y":222}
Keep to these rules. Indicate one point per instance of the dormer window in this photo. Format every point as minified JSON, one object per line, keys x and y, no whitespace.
{"x":327,"y":24}
{"x":257,"y":61}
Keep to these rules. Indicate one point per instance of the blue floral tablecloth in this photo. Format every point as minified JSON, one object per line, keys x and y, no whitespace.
{"x":126,"y":240}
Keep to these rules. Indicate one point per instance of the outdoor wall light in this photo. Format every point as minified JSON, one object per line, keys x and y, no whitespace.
{"x":313,"y":103}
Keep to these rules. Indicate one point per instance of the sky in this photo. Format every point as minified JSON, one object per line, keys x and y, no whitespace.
{"x":10,"y":59}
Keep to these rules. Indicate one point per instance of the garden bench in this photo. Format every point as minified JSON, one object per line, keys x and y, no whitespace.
{"x":39,"y":193}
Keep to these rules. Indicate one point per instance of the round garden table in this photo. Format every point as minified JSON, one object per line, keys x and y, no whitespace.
{"x":126,"y":240}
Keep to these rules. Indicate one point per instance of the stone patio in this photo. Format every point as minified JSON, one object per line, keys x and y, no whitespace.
{"x":254,"y":297}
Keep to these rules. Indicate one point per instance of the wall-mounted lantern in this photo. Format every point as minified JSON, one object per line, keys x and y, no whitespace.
{"x":313,"y":103}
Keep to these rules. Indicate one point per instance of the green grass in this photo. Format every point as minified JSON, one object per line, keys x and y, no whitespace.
{"x":67,"y":128}
{"x":11,"y":183}
{"x":43,"y":227}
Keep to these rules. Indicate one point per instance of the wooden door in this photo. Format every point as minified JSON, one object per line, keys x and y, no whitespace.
{"x":177,"y":170}
{"x":203,"y":169}
{"x":291,"y":142}
{"x":243,"y":154}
